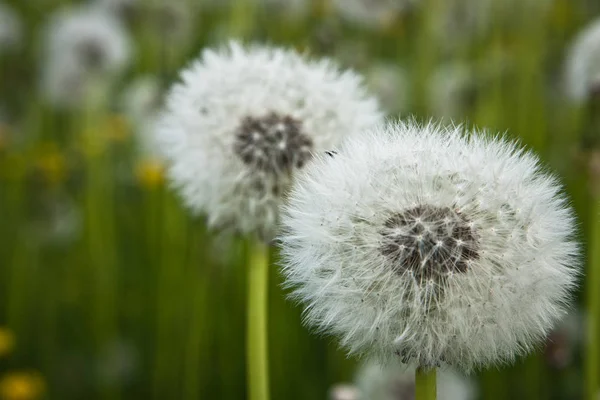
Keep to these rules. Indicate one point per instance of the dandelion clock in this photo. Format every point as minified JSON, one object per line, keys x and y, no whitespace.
{"x":430,"y":246}
{"x":234,"y":132}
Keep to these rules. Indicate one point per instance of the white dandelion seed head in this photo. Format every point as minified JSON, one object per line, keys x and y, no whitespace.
{"x":11,"y":28}
{"x":244,"y":119}
{"x":82,"y":45}
{"x":582,"y":70}
{"x":173,"y":21}
{"x":291,"y":8}
{"x":343,"y":391}
{"x":424,"y":244}
{"x":451,"y":89}
{"x":391,"y":85}
{"x":395,"y":381}
{"x":124,"y":9}
{"x":461,"y":22}
{"x":371,"y":13}
{"x":141,"y":103}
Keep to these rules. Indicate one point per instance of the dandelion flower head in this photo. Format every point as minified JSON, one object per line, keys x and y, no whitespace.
{"x":11,"y":28}
{"x":83,"y":44}
{"x":430,"y":246}
{"x":583,"y":64}
{"x":244,"y":119}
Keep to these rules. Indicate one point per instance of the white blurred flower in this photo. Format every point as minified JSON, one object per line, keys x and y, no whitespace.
{"x":343,"y":392}
{"x":397,"y":382}
{"x":564,"y":339}
{"x":431,"y":246}
{"x":461,"y":22}
{"x":451,"y":90}
{"x":57,"y":221}
{"x":125,"y":9}
{"x":391,"y":85}
{"x":141,"y":103}
{"x":582,"y":75}
{"x":118,"y":363}
{"x":291,"y":8}
{"x":84,"y":47}
{"x":11,"y":29}
{"x":372,"y":14}
{"x":244,"y":119}
{"x":172,"y":21}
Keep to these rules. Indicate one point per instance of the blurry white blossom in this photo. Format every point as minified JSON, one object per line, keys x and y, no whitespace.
{"x":118,"y":363}
{"x":582,"y":77}
{"x":397,"y":382}
{"x":84,"y":49}
{"x":11,"y":28}
{"x":564,"y":339}
{"x":124,"y":9}
{"x":343,"y":392}
{"x":57,"y":221}
{"x":290,"y":8}
{"x":374,"y":14}
{"x":243,"y":120}
{"x":391,"y":85}
{"x":451,"y":90}
{"x":431,"y":246}
{"x":458,"y":23}
{"x":171,"y":21}
{"x":141,"y":102}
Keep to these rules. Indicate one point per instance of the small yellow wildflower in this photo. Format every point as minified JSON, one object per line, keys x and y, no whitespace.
{"x":53,"y":165}
{"x":150,"y":173}
{"x":22,"y":385}
{"x":117,"y":129}
{"x":7,"y":341}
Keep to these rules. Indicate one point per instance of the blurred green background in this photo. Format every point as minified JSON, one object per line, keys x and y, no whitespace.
{"x":109,"y":289}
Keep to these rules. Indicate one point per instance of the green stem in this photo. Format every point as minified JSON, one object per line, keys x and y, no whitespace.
{"x":425,"y":384}
{"x":256,"y":345}
{"x":593,"y":297}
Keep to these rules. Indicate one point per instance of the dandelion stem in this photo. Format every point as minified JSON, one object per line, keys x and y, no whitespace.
{"x":256,"y":345}
{"x":425,"y":384}
{"x":593,"y":298}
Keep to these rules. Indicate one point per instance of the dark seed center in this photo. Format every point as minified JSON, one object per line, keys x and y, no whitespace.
{"x":430,"y":242}
{"x":91,"y":54}
{"x":273,"y":143}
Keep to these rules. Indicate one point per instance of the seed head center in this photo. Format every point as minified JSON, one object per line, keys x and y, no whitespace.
{"x":430,"y":242}
{"x":273,"y":143}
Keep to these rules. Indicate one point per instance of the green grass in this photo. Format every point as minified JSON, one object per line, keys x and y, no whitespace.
{"x":142,"y":274}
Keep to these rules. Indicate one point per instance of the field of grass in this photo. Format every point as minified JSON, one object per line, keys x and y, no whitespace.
{"x":110,"y":289}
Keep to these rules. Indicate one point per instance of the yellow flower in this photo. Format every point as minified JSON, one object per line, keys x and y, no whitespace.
{"x":150,"y":173}
{"x":7,"y":341}
{"x":22,"y":385}
{"x":117,"y":129}
{"x":53,"y":165}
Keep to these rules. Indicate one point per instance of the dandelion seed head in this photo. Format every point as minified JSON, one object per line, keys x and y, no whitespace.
{"x":11,"y":28}
{"x":430,"y":245}
{"x":243,"y":120}
{"x":582,"y":69}
{"x":83,"y":45}
{"x":372,"y":14}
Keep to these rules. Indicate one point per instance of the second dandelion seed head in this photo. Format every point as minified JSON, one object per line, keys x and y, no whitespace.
{"x":430,"y":245}
{"x":245,"y":119}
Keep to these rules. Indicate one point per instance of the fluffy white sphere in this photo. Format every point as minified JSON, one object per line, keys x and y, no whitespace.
{"x":431,"y":246}
{"x":582,"y":76}
{"x":395,"y":381}
{"x":11,"y":28}
{"x":371,"y":14}
{"x":244,"y":119}
{"x":83,"y":45}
